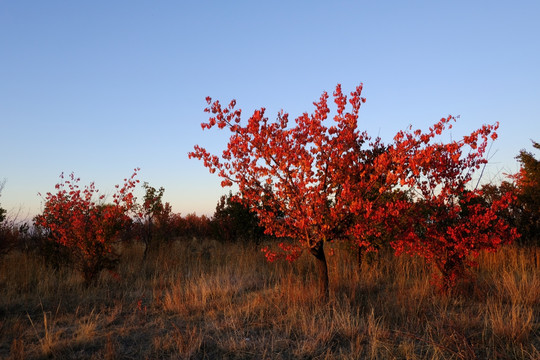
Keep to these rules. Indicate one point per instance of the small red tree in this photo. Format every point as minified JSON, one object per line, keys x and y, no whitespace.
{"x":309,"y":182}
{"x":75,"y":219}
{"x":451,"y":222}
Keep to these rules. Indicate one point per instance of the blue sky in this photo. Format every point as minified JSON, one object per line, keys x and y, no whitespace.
{"x":102,"y":87}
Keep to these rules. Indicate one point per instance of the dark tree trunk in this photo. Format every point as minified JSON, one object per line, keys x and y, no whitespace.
{"x":147,"y":239}
{"x":90,"y":270}
{"x":360,"y":257}
{"x":146,"y":246}
{"x":322,"y":267}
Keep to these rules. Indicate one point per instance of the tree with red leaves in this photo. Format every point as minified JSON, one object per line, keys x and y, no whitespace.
{"x":83,"y":225}
{"x":309,"y":182}
{"x":315,"y":183}
{"x":449,"y":223}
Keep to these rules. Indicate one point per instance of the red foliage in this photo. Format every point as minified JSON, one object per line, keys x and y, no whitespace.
{"x":315,"y":183}
{"x":303,"y":181}
{"x":309,"y":182}
{"x":76,"y":221}
{"x":448,"y":224}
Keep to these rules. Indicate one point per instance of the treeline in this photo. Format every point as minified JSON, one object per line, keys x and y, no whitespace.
{"x":524,"y":212}
{"x":231,"y":222}
{"x":78,"y":230}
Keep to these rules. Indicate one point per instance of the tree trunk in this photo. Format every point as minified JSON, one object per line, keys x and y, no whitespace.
{"x":360,"y":257}
{"x":318,"y":252}
{"x":145,"y":253}
{"x":147,"y":239}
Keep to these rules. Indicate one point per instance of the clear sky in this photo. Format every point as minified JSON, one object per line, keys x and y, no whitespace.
{"x":102,"y":87}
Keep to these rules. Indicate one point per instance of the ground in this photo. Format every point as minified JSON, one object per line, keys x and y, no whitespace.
{"x":203,"y":299}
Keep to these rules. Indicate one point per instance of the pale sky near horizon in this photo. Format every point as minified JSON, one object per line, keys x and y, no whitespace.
{"x":99,"y":88}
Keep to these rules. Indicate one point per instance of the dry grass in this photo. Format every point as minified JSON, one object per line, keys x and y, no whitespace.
{"x":203,"y":299}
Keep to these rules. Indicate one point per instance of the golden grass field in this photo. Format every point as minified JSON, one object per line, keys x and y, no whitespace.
{"x":206,"y":300}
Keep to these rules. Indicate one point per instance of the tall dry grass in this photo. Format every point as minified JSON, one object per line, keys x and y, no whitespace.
{"x":202,"y":299}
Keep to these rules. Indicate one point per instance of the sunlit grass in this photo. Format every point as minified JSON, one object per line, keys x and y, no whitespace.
{"x":203,"y":299}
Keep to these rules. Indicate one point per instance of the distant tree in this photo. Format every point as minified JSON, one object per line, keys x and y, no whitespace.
{"x":6,"y":242}
{"x":176,"y":225}
{"x":80,"y":225}
{"x":2,"y":211}
{"x":194,"y":226}
{"x":17,"y":234}
{"x":164,"y":223}
{"x":10,"y":231}
{"x":524,"y":213}
{"x":233,"y":221}
{"x":528,"y":186}
{"x":146,"y":212}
